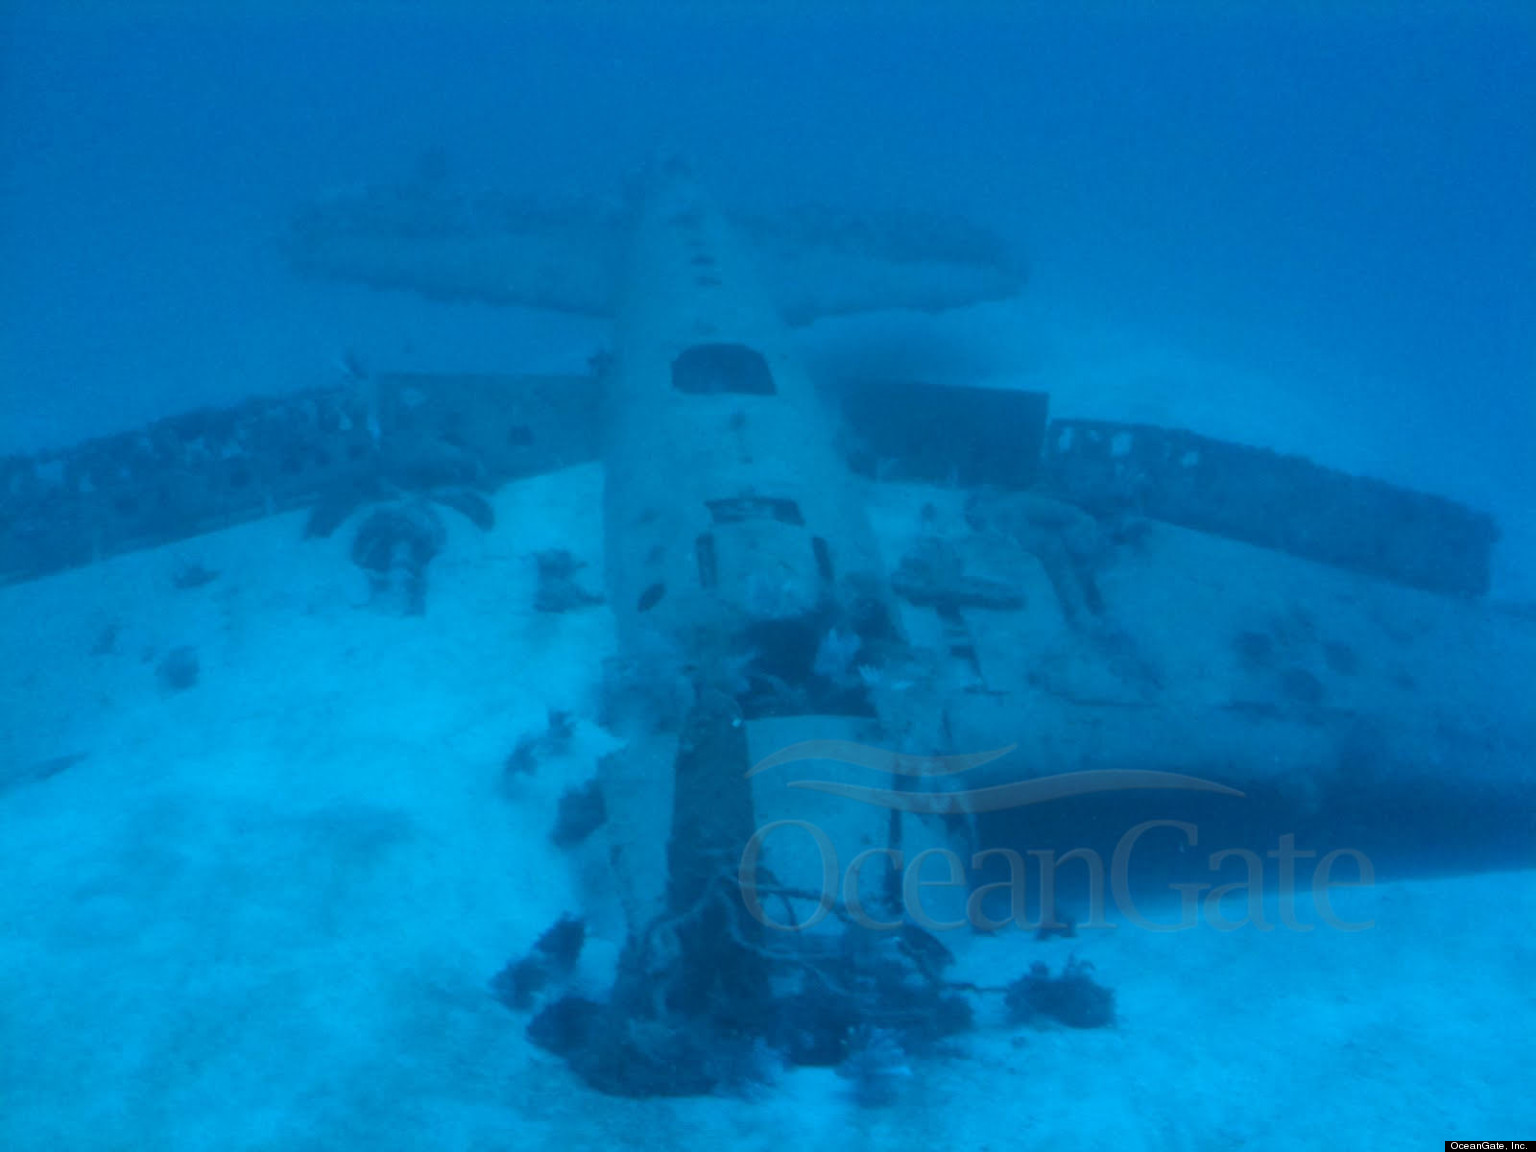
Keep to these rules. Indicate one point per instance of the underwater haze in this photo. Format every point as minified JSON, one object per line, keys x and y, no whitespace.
{"x":309,"y":833}
{"x":1331,"y":205}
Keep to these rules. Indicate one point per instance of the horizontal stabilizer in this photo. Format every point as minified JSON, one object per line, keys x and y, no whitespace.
{"x":568,"y":257}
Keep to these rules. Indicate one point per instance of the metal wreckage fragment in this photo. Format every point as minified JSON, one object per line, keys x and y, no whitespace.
{"x":755,"y":610}
{"x":328,"y":450}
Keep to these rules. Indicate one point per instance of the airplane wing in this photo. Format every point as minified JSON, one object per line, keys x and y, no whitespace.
{"x":325,"y":449}
{"x":939,"y":603}
{"x":569,"y":256}
{"x":201,"y":471}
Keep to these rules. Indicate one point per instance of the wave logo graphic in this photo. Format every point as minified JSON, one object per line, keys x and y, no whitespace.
{"x":950,"y":801}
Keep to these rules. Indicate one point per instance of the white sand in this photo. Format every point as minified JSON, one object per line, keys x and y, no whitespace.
{"x":262,"y":912}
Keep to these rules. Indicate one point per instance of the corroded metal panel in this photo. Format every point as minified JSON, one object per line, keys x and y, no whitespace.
{"x":1261,"y":497}
{"x":202,"y":471}
{"x":175,"y":478}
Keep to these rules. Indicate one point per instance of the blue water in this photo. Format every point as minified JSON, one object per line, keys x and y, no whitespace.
{"x":1345,"y":203}
{"x":1350,"y":194}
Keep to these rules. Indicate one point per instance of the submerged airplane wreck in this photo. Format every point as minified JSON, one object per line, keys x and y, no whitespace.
{"x":893,"y":582}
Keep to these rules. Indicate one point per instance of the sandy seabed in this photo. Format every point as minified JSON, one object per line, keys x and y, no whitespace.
{"x":261,"y":913}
